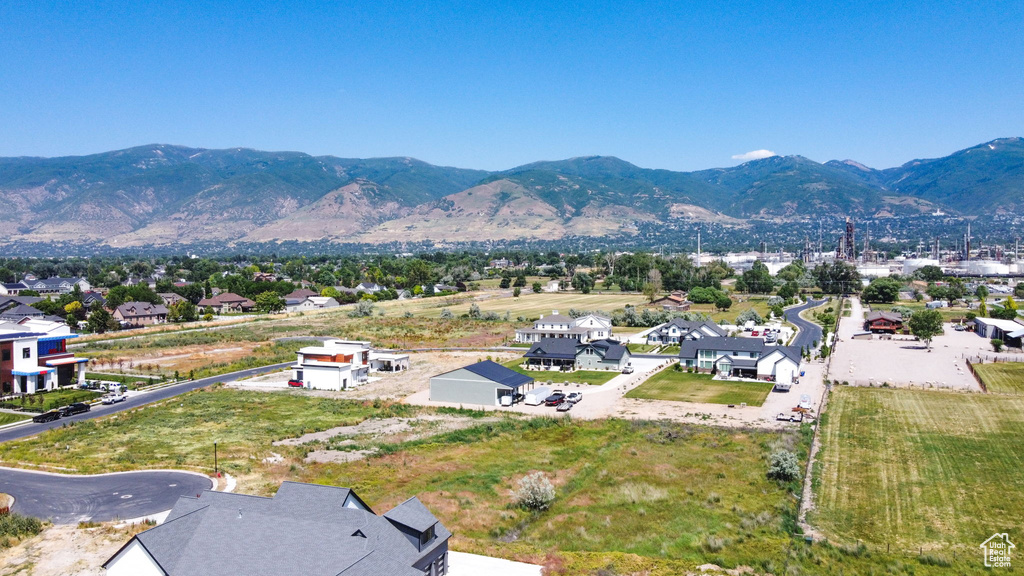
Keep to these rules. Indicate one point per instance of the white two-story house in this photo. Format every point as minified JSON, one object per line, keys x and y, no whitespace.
{"x":582,"y":329}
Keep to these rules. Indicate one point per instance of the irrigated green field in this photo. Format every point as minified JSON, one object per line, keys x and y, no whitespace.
{"x":1002,"y":377}
{"x":691,"y":387}
{"x":917,"y":469}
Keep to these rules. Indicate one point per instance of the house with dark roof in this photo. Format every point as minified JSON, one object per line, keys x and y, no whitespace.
{"x":12,"y":288}
{"x":677,"y":330}
{"x":140,"y":313}
{"x":741,"y":358}
{"x":566,"y":355}
{"x":483,"y":383}
{"x":303,"y":530}
{"x":674,"y":302}
{"x":227,"y":302}
{"x":884,"y":322}
{"x":55,"y":285}
{"x":582,"y":329}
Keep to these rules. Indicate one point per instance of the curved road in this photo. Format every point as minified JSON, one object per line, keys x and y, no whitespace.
{"x":809,"y":331}
{"x":71,"y":499}
{"x":135,"y":399}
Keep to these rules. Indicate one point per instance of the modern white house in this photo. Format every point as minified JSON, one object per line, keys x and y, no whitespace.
{"x":388,"y":362}
{"x":582,"y":329}
{"x":335,"y":365}
{"x":32,"y":360}
{"x":741,"y":357}
{"x":310,"y":303}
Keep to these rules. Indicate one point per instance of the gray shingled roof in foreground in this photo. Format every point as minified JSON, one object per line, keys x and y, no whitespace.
{"x":498,"y":373}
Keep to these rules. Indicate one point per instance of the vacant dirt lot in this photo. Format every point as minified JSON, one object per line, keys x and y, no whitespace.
{"x":65,"y":550}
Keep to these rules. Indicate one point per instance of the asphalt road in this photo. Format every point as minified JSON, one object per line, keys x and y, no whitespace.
{"x":809,"y":331}
{"x":135,"y":399}
{"x":72,"y":499}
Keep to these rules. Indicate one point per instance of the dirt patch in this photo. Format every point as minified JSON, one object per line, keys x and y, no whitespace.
{"x":65,"y":550}
{"x":337,"y":456}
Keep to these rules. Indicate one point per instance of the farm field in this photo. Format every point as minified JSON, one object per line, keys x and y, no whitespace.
{"x":917,"y":469}
{"x":592,"y":377}
{"x":692,"y":387}
{"x":1002,"y":377}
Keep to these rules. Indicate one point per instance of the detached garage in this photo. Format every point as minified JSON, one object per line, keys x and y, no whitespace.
{"x":483,"y":383}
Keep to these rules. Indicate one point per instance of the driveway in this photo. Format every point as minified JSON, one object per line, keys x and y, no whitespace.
{"x":65,"y":499}
{"x":135,"y":399}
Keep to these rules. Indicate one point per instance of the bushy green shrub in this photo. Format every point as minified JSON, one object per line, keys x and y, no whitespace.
{"x":784,"y":466}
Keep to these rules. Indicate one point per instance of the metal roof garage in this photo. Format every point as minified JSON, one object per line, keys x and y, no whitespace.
{"x":483,"y":383}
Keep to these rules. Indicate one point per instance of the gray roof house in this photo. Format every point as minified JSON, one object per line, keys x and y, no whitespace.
{"x":741,"y":357}
{"x":304,"y":530}
{"x":567,"y":354}
{"x":677,"y":330}
{"x":483,"y":383}
{"x":55,"y":285}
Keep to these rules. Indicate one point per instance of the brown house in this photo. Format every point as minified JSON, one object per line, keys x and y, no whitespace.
{"x":886,"y":322}
{"x":675,"y":302}
{"x":228,"y":302}
{"x":140,"y":313}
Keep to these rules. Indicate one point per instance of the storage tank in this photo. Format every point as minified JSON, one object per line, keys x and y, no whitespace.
{"x":911,"y":265}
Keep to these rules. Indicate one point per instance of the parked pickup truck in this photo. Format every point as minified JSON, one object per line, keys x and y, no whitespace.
{"x":46,"y":416}
{"x":114,"y":398}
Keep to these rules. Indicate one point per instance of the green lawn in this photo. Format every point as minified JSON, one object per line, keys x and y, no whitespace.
{"x":673,"y":349}
{"x":1002,"y":377}
{"x":8,"y":418}
{"x":692,"y":387}
{"x":642,"y":348}
{"x":915,"y":468}
{"x":592,"y":377}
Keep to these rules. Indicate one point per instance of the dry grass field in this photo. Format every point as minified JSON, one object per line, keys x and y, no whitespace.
{"x":918,"y":469}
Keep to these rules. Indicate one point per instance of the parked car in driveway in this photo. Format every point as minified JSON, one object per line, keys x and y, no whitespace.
{"x":46,"y":416}
{"x":555,"y":399}
{"x":564,"y":407}
{"x":76,"y":408}
{"x":296,"y":383}
{"x":114,"y":398}
{"x":628,"y":369}
{"x":805,"y":402}
{"x":574,"y":397}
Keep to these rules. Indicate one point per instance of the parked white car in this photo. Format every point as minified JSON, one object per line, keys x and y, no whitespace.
{"x":114,"y":398}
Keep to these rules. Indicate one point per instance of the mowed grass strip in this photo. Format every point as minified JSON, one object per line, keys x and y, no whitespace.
{"x":692,"y":387}
{"x":9,"y":418}
{"x":1002,"y":377}
{"x":592,"y":377}
{"x":920,"y":469}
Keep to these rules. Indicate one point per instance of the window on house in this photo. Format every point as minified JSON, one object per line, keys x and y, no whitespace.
{"x":427,"y":536}
{"x":7,"y":355}
{"x":26,"y":352}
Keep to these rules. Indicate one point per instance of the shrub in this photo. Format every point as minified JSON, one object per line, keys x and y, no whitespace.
{"x":15,"y":525}
{"x":997,"y":344}
{"x":535,"y":492}
{"x":784,"y":466}
{"x":447,"y":314}
{"x":362,"y":309}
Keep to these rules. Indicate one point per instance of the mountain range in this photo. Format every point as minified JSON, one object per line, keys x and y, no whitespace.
{"x":164,"y":194}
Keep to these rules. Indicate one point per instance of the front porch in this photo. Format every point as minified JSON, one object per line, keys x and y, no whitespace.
{"x":559,"y":364}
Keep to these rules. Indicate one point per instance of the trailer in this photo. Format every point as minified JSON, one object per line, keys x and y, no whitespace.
{"x":537,"y":396}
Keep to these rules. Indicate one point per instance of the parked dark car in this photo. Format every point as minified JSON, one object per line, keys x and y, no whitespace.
{"x":296,"y":383}
{"x":554,"y":399}
{"x":46,"y":416}
{"x":76,"y":408}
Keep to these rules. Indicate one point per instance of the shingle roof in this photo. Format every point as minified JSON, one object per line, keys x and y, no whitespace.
{"x":613,"y":349}
{"x":563,"y":348}
{"x":498,"y":373}
{"x":689,"y":348}
{"x":305,"y":529}
{"x":412,"y":513}
{"x":554,"y":319}
{"x":880,"y":315}
{"x":20,"y":311}
{"x":135,"y":309}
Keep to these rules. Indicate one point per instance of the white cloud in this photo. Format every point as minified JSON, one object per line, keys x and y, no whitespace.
{"x":754,"y":155}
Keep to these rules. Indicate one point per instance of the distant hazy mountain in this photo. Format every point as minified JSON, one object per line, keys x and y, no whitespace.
{"x":163,"y":194}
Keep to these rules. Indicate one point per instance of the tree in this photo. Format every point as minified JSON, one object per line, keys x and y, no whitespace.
{"x":654,"y":279}
{"x":930,"y":273}
{"x":758,"y":279}
{"x":537,"y":287}
{"x":981,"y":291}
{"x":983,"y":309}
{"x":723,"y":302}
{"x":505,"y":282}
{"x":1018,"y":290}
{"x":76,"y":309}
{"x":535,"y":492}
{"x":520,"y":281}
{"x":269,"y":302}
{"x":517,"y":291}
{"x":997,"y":344}
{"x":747,"y":316}
{"x":837,"y":278}
{"x":926,"y":325}
{"x":100,"y":320}
{"x":583,"y":282}
{"x":183,"y":311}
{"x":789,"y":290}
{"x":882,"y":290}
{"x":784,"y":466}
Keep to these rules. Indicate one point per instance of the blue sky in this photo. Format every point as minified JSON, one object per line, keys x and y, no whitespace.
{"x":678,"y":85}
